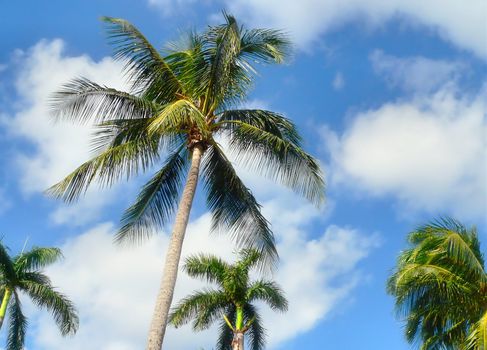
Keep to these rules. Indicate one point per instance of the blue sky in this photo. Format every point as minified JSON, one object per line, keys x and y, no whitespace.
{"x":389,"y":95}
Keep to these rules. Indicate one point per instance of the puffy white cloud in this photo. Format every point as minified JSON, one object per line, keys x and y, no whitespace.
{"x":461,"y":24}
{"x":114,"y":288}
{"x":428,"y":151}
{"x":58,"y":148}
{"x":455,"y":21}
{"x":416,"y":74}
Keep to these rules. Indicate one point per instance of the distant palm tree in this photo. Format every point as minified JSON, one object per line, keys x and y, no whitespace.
{"x":440,"y":286}
{"x":180,"y":104}
{"x":232,"y":302}
{"x":23,"y":274}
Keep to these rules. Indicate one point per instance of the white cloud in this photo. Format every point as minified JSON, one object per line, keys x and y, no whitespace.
{"x":416,"y":74}
{"x":455,"y":21}
{"x":338,"y":82}
{"x":114,"y":288}
{"x":59,"y":148}
{"x":461,"y":24}
{"x":429,"y":152}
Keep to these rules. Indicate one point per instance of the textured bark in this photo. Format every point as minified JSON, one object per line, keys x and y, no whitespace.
{"x":166,"y":290}
{"x":238,"y":341}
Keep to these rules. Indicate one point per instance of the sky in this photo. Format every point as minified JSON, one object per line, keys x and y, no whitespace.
{"x":389,"y":95}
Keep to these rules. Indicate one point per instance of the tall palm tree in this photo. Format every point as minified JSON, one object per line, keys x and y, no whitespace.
{"x":440,"y":286}
{"x":181,"y":101}
{"x":22,"y":273}
{"x":232,"y":302}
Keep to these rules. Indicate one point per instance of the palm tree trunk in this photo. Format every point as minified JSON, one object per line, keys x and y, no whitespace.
{"x":166,"y":290}
{"x":238,"y":341}
{"x":3,"y":308}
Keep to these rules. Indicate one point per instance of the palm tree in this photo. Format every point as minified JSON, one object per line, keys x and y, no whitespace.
{"x":180,"y":103}
{"x":440,"y":286}
{"x":232,"y":302}
{"x":22,"y":273}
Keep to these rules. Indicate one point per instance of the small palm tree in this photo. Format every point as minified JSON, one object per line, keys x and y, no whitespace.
{"x":440,"y":286}
{"x":181,"y":102}
{"x":232,"y":302}
{"x":23,"y":274}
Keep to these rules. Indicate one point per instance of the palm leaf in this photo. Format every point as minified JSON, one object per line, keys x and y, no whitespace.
{"x":204,"y":307}
{"x":269,"y":292}
{"x":233,"y":206}
{"x":278,"y":159}
{"x":61,"y":308}
{"x":17,"y":325}
{"x":256,"y":336}
{"x":83,"y":101}
{"x":157,"y":201}
{"x":116,"y":162}
{"x":37,"y":258}
{"x":144,"y":65}
{"x":205,"y":266}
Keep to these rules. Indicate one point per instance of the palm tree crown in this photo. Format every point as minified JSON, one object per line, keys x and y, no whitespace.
{"x":232,"y":302}
{"x":23,"y":274}
{"x":440,"y":286}
{"x":181,"y":102}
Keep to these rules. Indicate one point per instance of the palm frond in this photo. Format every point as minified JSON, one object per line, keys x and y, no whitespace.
{"x":37,"y":258}
{"x":256,"y":335}
{"x":233,"y":206}
{"x":144,"y":65}
{"x":206,"y":266}
{"x":61,"y":308}
{"x":229,"y":80}
{"x":225,"y":334}
{"x":204,"y":307}
{"x":83,"y":101}
{"x":114,"y":163}
{"x":177,"y":116}
{"x":17,"y":325}
{"x":7,"y":268}
{"x":278,"y":159}
{"x":268,"y":121}
{"x":157,"y":201}
{"x":477,"y":337}
{"x":439,"y":285}
{"x":264,"y":46}
{"x":269,"y":292}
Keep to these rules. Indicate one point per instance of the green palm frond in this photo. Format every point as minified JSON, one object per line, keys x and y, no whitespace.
{"x":204,"y":307}
{"x":145,"y":67}
{"x":120,"y":161}
{"x":61,"y":308}
{"x":278,"y":159}
{"x":225,"y":334}
{"x":17,"y":325}
{"x":234,"y":208}
{"x":83,"y":101}
{"x":264,"y":46}
{"x":256,"y":332}
{"x":157,"y":201}
{"x":268,"y":121}
{"x":228,"y":81}
{"x":188,"y":60}
{"x":206,"y":266}
{"x":7,"y":268}
{"x":477,"y":337}
{"x":37,"y":258}
{"x":439,"y":285}
{"x":269,"y":292}
{"x":248,"y":258}
{"x":181,"y":115}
